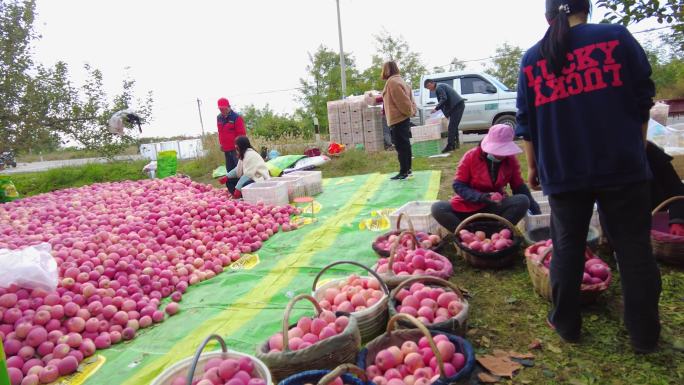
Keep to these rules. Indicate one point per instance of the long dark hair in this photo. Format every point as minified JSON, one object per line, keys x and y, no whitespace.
{"x":556,"y":43}
{"x":242,"y":144}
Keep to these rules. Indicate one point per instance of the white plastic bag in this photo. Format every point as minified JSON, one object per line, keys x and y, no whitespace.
{"x":31,"y":267}
{"x":435,"y":118}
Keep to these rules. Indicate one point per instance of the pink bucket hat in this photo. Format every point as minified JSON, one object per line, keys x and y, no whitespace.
{"x":499,"y":141}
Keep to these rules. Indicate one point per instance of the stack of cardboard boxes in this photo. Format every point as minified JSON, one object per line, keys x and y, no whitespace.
{"x":352,"y":122}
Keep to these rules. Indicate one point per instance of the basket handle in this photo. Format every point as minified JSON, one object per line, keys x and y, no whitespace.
{"x":433,"y":280}
{"x":288,"y":310}
{"x":407,"y":318}
{"x":667,"y":203}
{"x":343,"y":369}
{"x":395,"y":247}
{"x":408,"y":219}
{"x":383,"y":285}
{"x":495,"y":217}
{"x":198,"y":353}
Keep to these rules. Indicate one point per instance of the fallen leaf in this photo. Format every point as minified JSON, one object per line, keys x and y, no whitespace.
{"x":484,"y":341}
{"x":472,"y":332}
{"x":554,"y":348}
{"x":487,"y":378}
{"x":526,"y":356}
{"x":499,"y":366}
{"x":511,"y":300}
{"x":536,"y":344}
{"x":500,"y":353}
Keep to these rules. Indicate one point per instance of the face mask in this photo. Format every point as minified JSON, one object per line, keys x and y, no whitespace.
{"x":493,"y":158}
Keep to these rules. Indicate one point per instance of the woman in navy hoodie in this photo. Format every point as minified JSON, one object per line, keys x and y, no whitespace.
{"x":584,"y":97}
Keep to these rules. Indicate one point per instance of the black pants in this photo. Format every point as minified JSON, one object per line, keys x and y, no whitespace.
{"x":626,"y":212}
{"x":401,"y":135}
{"x":455,"y":116}
{"x":231,"y":163}
{"x":512,"y":208}
{"x":386,"y":133}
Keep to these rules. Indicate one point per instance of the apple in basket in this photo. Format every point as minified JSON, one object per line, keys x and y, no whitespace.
{"x":415,"y":363}
{"x":425,"y":241}
{"x":309,"y":331}
{"x":595,"y":270}
{"x":410,"y":262}
{"x":429,"y":304}
{"x":478,"y":241}
{"x":351,"y":295}
{"x":230,"y":371}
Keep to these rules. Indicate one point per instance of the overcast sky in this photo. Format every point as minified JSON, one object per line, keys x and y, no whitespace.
{"x":184,"y":50}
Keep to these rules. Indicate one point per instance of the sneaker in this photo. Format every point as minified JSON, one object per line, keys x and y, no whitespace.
{"x":399,"y":177}
{"x":571,"y":340}
{"x":447,"y":149}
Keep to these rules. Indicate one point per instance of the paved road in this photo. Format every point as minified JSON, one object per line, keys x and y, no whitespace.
{"x":44,"y":166}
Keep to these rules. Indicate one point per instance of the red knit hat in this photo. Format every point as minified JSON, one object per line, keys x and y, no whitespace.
{"x":223,"y":103}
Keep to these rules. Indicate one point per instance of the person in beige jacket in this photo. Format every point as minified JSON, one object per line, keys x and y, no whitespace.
{"x":250,"y":168}
{"x":399,"y":108}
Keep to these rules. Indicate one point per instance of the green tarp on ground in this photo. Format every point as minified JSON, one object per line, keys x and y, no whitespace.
{"x":245,"y":305}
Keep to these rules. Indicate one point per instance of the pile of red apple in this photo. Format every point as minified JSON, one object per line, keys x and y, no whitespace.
{"x":425,"y":241}
{"x":428,"y":304}
{"x":596,"y":271}
{"x":416,"y":262}
{"x":309,"y":332}
{"x":230,"y":371}
{"x":479,"y":242}
{"x":415,"y":364}
{"x":351,"y":295}
{"x":120,"y":248}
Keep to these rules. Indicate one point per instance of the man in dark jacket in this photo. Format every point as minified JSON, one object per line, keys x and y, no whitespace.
{"x":452,"y":106}
{"x":665,"y":185}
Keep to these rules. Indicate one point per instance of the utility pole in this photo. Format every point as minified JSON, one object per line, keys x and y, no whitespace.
{"x":199,"y":109}
{"x":343,"y":65}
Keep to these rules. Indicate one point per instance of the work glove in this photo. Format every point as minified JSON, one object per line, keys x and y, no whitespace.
{"x":237,"y":194}
{"x":487,"y":199}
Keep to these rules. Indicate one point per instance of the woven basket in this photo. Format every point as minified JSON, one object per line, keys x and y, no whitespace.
{"x":350,"y":374}
{"x":190,"y":365}
{"x":372,"y":320}
{"x":544,"y":233}
{"x":326,"y":354}
{"x":457,"y":325}
{"x":393,"y":280}
{"x":541,"y":280}
{"x":397,"y":337}
{"x":668,"y":248}
{"x":385,"y":253}
{"x":491,"y":224}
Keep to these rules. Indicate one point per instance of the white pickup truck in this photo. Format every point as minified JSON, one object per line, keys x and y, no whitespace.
{"x":488,"y":101}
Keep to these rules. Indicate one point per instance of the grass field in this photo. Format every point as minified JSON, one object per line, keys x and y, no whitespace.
{"x":505,"y":312}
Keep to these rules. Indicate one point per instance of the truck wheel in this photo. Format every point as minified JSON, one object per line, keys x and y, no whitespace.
{"x":506,"y":119}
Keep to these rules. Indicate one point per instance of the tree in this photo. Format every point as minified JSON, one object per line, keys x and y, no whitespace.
{"x":668,"y":71}
{"x":506,"y":65}
{"x":263,"y":122}
{"x":324,"y":82}
{"x":457,"y":65}
{"x":627,"y":12}
{"x":391,"y":48}
{"x":39,"y":106}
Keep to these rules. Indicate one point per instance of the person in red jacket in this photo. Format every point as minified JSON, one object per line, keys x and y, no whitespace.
{"x":230,"y":126}
{"x":482,"y":175}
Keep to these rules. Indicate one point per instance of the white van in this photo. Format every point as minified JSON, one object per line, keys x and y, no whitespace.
{"x":488,"y":101}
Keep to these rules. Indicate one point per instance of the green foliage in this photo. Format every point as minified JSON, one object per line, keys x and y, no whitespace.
{"x":668,"y":71}
{"x":392,"y":48}
{"x":506,"y":65}
{"x":41,"y":108}
{"x":264,"y":123}
{"x":627,"y":12}
{"x":324,"y":83}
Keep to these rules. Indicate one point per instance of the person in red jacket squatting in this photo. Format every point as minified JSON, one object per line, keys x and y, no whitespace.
{"x":230,"y":126}
{"x":482,"y":175}
{"x":584,"y":96}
